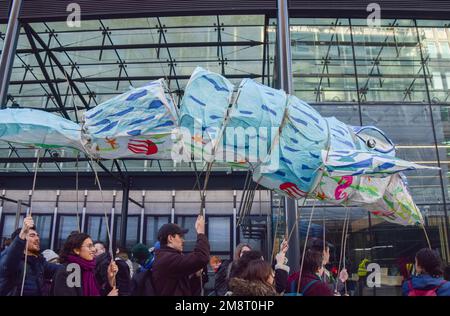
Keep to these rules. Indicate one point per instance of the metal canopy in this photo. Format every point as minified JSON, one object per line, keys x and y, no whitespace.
{"x":50,"y":10}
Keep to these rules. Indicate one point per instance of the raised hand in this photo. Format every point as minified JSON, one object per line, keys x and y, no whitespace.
{"x":200,"y":225}
{"x":28,"y":223}
{"x":343,"y":275}
{"x":112,"y":271}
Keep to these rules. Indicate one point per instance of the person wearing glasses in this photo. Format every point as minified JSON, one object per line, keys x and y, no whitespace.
{"x":25,"y":247}
{"x":77,"y":278}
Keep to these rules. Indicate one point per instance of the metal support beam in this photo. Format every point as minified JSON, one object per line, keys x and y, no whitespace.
{"x":52,"y":56}
{"x":54,"y":91}
{"x":13,"y":201}
{"x":284,"y":68}
{"x":9,"y":50}
{"x":178,"y":180}
{"x":142,"y":46}
{"x":124,"y":215}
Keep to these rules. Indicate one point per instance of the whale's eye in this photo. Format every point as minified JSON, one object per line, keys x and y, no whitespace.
{"x":374,"y":139}
{"x":371,"y":143}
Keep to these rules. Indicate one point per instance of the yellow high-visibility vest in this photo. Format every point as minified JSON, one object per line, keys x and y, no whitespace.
{"x":362,"y":270}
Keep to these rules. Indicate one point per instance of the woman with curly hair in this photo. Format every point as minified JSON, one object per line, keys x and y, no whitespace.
{"x":77,"y":278}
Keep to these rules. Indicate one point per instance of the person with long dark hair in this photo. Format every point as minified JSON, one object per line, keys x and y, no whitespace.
{"x":77,"y":278}
{"x":256,"y":280}
{"x":244,"y":275}
{"x":428,"y":279}
{"x":311,"y":283}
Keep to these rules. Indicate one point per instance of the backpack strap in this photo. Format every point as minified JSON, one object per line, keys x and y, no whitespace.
{"x":439,"y":286}
{"x":293,"y":286}
{"x":410,"y":285}
{"x":306,"y":288}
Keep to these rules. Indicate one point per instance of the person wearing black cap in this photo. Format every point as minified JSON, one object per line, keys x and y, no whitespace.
{"x":175,"y":273}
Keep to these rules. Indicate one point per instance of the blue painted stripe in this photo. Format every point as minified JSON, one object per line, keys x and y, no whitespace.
{"x":265,"y":108}
{"x":139,"y":121}
{"x":280,"y":173}
{"x":315,"y":119}
{"x":168,"y":123}
{"x":245,"y":112}
{"x":319,"y":127}
{"x":107,"y":128}
{"x":214,"y":117}
{"x":215,"y":84}
{"x":286,"y":160}
{"x":386,"y":165}
{"x":197,"y":100}
{"x":291,"y":149}
{"x":296,"y":119}
{"x":137,"y":95}
{"x":338,"y":131}
{"x":155,"y":104}
{"x":305,"y":167}
{"x":135,"y":132}
{"x":294,"y":140}
{"x":314,"y":156}
{"x":94,"y":114}
{"x":102,"y":122}
{"x":121,"y":113}
{"x":361,"y":164}
{"x":345,"y":142}
{"x":306,"y":179}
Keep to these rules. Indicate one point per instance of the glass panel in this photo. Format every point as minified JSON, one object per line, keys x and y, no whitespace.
{"x":253,"y":232}
{"x":44,"y":228}
{"x":132,"y":230}
{"x":388,"y":63}
{"x":219,"y":237}
{"x":154,"y":223}
{"x":436,"y":51}
{"x":67,"y":224}
{"x":96,"y":228}
{"x":8,"y":225}
{"x":322,"y":60}
{"x":442,"y":130}
{"x":190,"y":238}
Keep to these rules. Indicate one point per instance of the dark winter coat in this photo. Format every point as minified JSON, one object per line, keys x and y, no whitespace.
{"x":427,"y":282}
{"x":317,"y":288}
{"x":12,"y":268}
{"x":61,"y":288}
{"x":241,"y":287}
{"x":329,"y":280}
{"x":123,"y":278}
{"x":172,"y":271}
{"x":221,"y":278}
{"x":280,"y":282}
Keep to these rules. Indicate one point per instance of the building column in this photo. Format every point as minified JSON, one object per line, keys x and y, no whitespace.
{"x":124,"y":214}
{"x":284,"y":67}
{"x":9,"y":50}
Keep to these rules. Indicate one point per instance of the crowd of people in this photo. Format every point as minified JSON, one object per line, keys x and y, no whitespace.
{"x":85,"y":267}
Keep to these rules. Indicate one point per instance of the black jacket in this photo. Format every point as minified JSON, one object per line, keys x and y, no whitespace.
{"x":12,"y":269}
{"x":123,"y":278}
{"x":221,"y":278}
{"x":173,"y":271}
{"x":61,"y":288}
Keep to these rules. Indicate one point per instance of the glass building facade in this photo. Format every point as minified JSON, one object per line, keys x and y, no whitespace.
{"x":395,"y":77}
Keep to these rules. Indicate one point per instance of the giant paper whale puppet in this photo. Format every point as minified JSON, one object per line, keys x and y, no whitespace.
{"x":288,"y":145}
